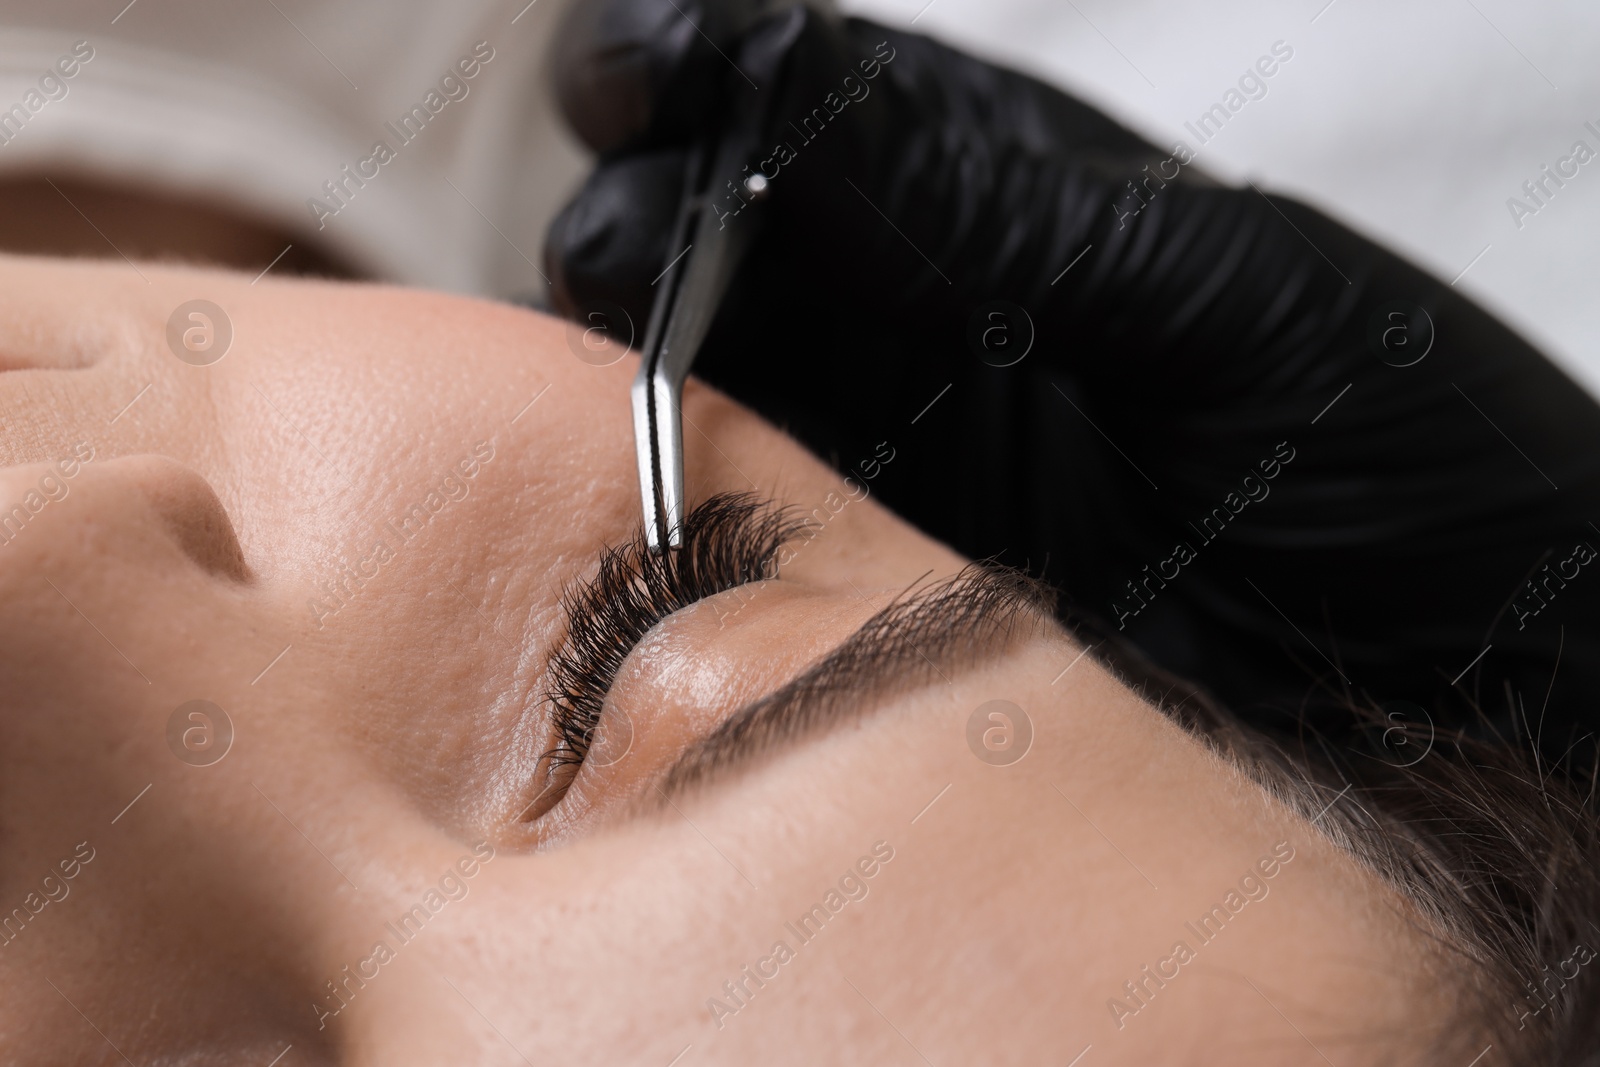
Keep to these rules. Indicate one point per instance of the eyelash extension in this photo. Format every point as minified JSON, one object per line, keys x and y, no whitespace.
{"x":729,"y":540}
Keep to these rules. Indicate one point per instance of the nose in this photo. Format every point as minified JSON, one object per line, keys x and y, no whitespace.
{"x":186,"y":506}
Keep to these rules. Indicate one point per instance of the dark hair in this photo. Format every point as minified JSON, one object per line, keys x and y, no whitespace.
{"x":1498,"y":849}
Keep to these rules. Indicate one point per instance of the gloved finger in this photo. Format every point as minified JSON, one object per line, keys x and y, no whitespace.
{"x":609,"y":243}
{"x":628,"y":73}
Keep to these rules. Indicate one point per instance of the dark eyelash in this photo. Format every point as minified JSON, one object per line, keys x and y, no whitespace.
{"x":729,"y":540}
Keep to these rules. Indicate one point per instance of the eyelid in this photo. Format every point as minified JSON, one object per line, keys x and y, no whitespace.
{"x":729,"y":540}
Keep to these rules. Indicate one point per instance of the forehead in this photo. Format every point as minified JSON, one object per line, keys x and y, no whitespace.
{"x":344,"y":391}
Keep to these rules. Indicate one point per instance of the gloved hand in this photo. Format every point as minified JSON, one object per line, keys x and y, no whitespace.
{"x":1275,"y":457}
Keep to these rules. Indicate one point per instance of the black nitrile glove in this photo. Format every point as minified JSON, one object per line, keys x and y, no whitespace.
{"x":1280,"y":460}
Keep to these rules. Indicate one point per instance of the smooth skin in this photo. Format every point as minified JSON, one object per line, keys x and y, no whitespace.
{"x":383,"y":749}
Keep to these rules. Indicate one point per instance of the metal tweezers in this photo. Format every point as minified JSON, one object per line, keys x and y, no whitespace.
{"x":692,"y":286}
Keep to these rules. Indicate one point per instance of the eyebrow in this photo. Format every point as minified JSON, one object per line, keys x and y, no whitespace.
{"x":912,"y":642}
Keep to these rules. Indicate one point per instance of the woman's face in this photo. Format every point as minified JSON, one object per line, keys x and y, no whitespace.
{"x":350,"y":537}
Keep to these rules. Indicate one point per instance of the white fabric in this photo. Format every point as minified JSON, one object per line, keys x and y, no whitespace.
{"x":260,"y":103}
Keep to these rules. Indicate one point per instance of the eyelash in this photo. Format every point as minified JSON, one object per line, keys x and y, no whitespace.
{"x":728,"y":541}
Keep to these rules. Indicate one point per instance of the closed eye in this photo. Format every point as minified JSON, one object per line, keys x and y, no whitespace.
{"x":728,"y":541}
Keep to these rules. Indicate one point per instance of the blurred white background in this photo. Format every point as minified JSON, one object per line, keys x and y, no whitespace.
{"x":1411,"y":120}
